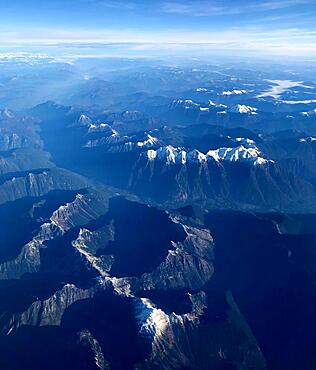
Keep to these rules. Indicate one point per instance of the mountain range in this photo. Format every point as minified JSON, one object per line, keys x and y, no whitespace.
{"x":156,"y":217}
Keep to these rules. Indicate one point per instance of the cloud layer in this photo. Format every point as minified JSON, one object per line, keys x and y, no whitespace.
{"x":199,"y":27}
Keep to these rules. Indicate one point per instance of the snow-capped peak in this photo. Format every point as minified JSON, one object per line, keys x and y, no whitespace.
{"x":201,"y":89}
{"x":244,"y":109}
{"x":240,"y":153}
{"x":308,"y":139}
{"x":84,"y":120}
{"x":212,"y":104}
{"x":190,"y":104}
{"x":170,"y":155}
{"x":187,"y":104}
{"x":245,"y":141}
{"x":6,"y":114}
{"x":309,"y":113}
{"x":196,"y":156}
{"x":167,"y":153}
{"x":148,"y":142}
{"x":151,"y":154}
{"x":234,"y":92}
{"x":102,"y":127}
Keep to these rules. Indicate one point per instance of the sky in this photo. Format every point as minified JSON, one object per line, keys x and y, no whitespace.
{"x":154,"y":27}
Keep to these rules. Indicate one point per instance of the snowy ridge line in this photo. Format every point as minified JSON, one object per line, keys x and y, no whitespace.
{"x":245,"y":152}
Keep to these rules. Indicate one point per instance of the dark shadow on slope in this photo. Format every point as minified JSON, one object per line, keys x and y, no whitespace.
{"x":21,"y":219}
{"x":143,"y":237}
{"x":273,"y":280}
{"x":111,"y":320}
{"x":49,"y":348}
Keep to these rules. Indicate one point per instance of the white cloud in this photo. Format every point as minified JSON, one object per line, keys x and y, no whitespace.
{"x":198,"y":8}
{"x":205,"y":8}
{"x":243,"y":40}
{"x":273,"y":5}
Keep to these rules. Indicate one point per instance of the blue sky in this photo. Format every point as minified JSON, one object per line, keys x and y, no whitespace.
{"x":269,"y":27}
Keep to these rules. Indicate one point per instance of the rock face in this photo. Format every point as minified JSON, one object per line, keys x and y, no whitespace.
{"x":49,"y":311}
{"x":192,"y":259}
{"x":17,"y":131}
{"x":36,"y":183}
{"x":84,"y":208}
{"x":85,"y":338}
{"x":22,"y":160}
{"x":177,"y":340}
